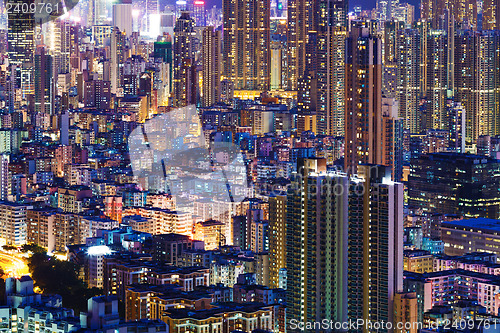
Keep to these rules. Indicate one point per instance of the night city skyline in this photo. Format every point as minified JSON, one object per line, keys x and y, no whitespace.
{"x":250,"y":166}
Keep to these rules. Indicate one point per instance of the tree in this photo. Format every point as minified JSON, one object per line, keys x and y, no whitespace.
{"x":54,"y":276}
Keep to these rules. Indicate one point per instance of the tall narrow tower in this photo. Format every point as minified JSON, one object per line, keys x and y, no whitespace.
{"x":363,"y":97}
{"x":247,"y":54}
{"x":211,"y":54}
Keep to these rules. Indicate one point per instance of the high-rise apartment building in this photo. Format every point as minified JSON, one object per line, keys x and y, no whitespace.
{"x":183,"y":54}
{"x":211,"y":55}
{"x":463,"y":11}
{"x":477,"y":66}
{"x":316,"y":244}
{"x":437,"y":79}
{"x":247,"y":51}
{"x":408,"y":77}
{"x":330,"y":62}
{"x":392,"y":137}
{"x":277,"y":238}
{"x":301,"y":15}
{"x":491,"y":15}
{"x":375,"y":244}
{"x":117,"y":58}
{"x":344,"y":244}
{"x":315,"y":61}
{"x":4,"y":177}
{"x":21,"y":47}
{"x":44,"y":81}
{"x":390,"y":53}
{"x":363,"y":99}
{"x":13,"y":223}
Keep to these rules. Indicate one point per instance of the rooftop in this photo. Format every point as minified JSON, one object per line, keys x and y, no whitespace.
{"x":476,"y":224}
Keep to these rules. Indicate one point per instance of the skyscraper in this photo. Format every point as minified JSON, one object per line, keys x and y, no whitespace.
{"x":491,"y":15}
{"x":408,"y":77}
{"x":390,"y":50}
{"x":247,"y":54}
{"x":21,"y":45}
{"x":183,"y":56}
{"x":301,"y":21}
{"x":316,"y":244}
{"x":463,"y":11}
{"x":344,"y":243}
{"x":199,"y":13}
{"x":392,"y":134}
{"x":363,"y":99}
{"x":332,"y":33}
{"x":44,"y":84}
{"x":122,"y":16}
{"x":277,"y":238}
{"x":375,"y":245}
{"x":320,"y":66}
{"x":211,"y":55}
{"x":477,"y":65}
{"x":117,"y":58}
{"x":437,"y":79}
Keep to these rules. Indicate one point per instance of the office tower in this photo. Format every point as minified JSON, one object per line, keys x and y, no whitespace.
{"x":472,"y":192}
{"x":247,"y":54}
{"x":375,"y":245}
{"x":477,"y":81}
{"x":408,"y":77}
{"x":199,"y":13}
{"x":392,"y":136}
{"x":404,"y":13}
{"x":44,"y":85}
{"x":183,"y":54}
{"x":491,"y":15}
{"x":98,"y":12}
{"x":117,"y":58}
{"x":384,"y":9}
{"x":316,"y":244}
{"x":363,"y":107}
{"x":163,"y":49}
{"x":122,"y":16}
{"x":463,"y":11}
{"x":211,"y":66}
{"x":21,"y":47}
{"x":277,"y":238}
